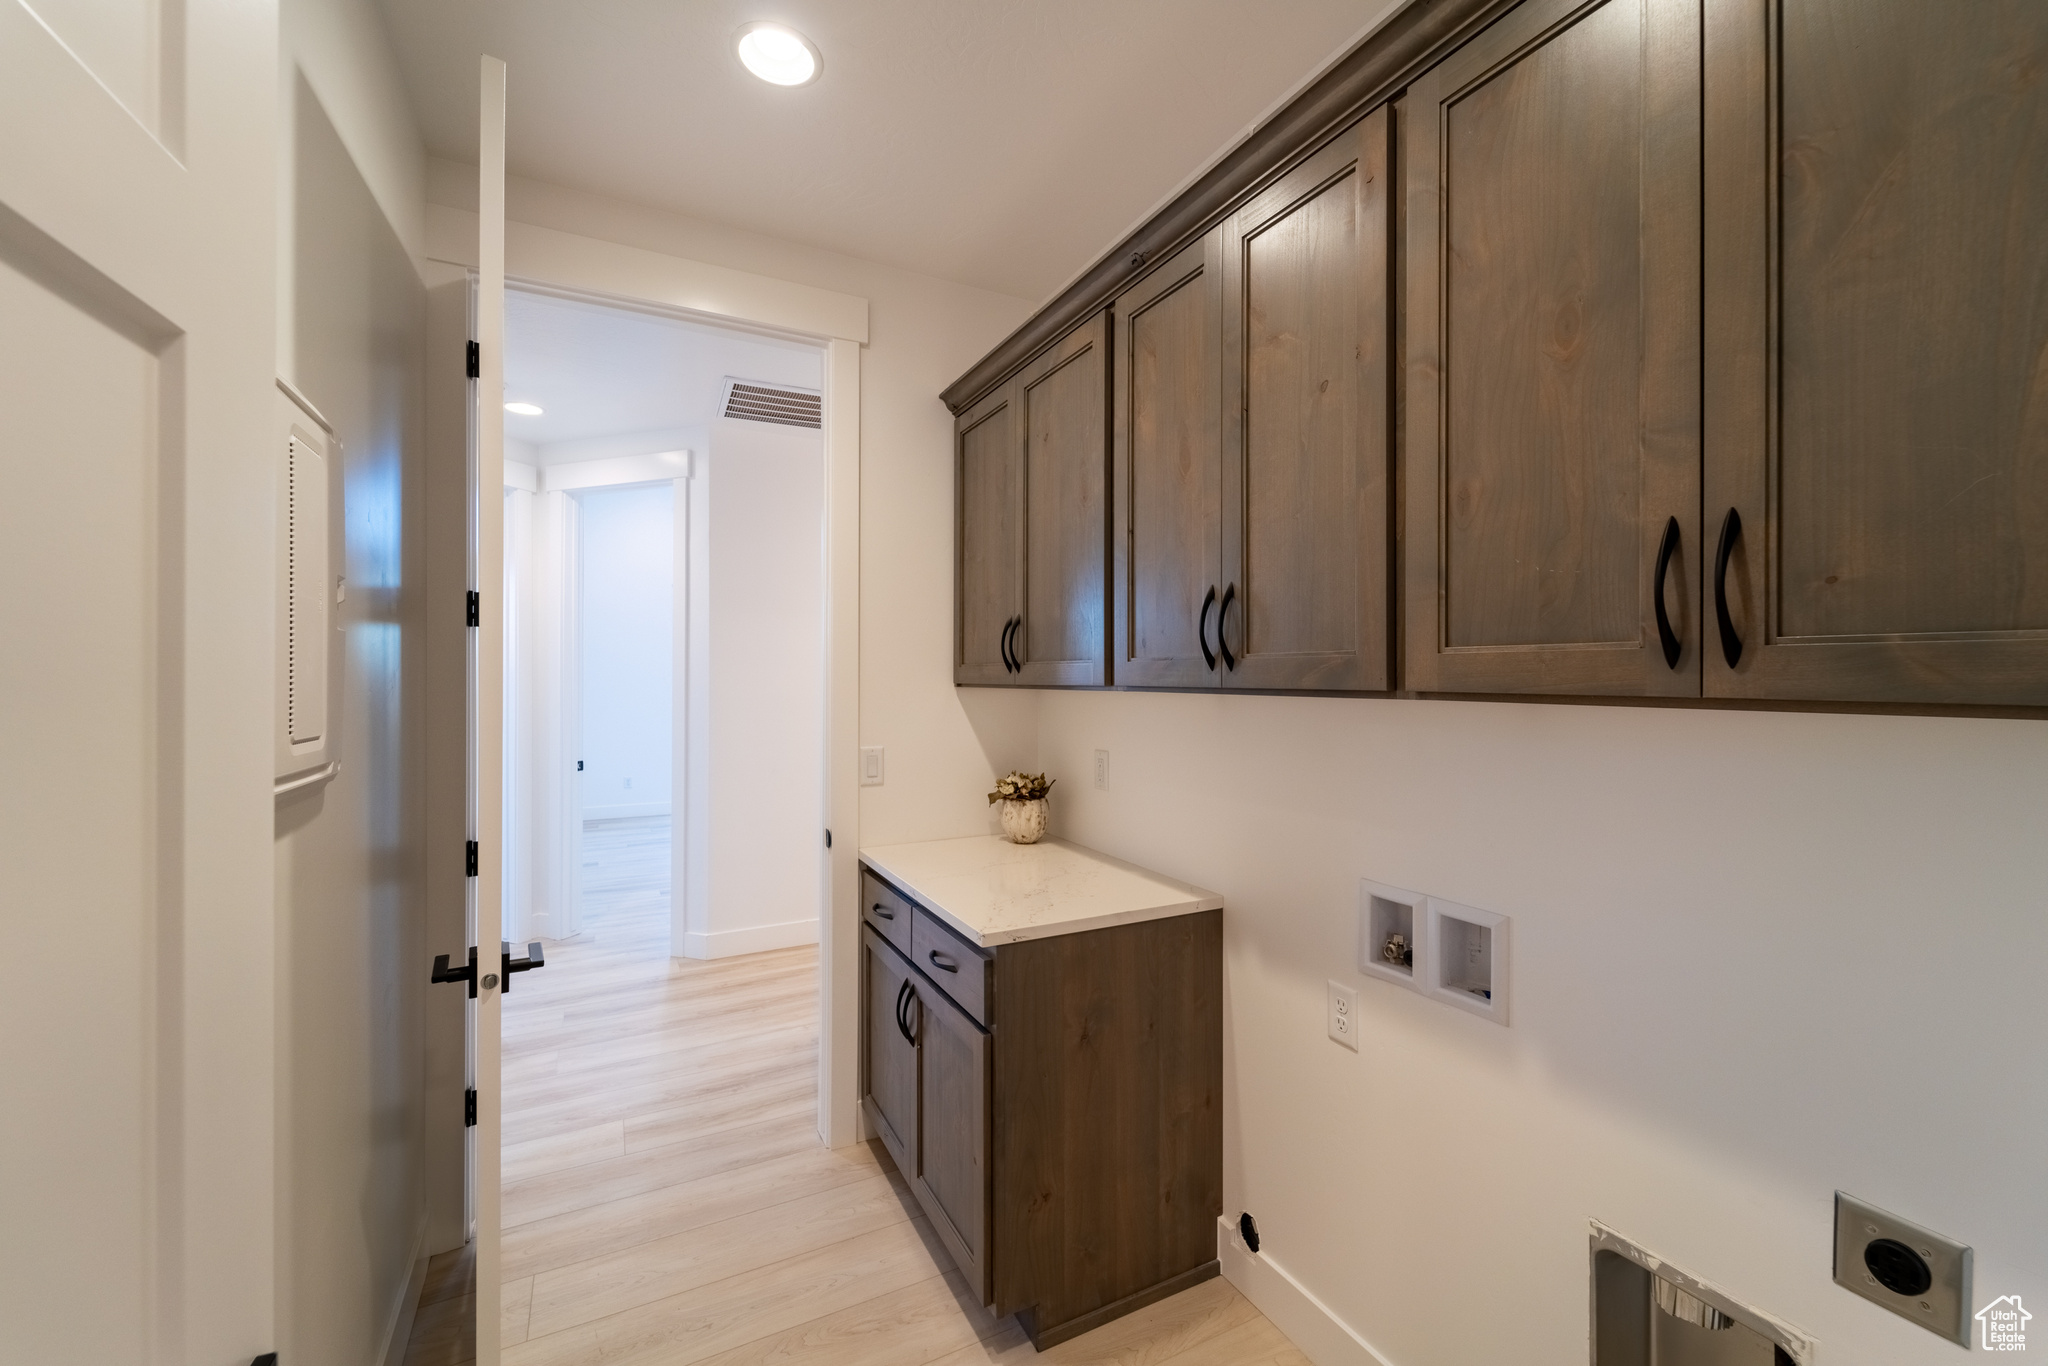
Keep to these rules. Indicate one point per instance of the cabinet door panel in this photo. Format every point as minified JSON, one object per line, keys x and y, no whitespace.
{"x":888,"y":1060}
{"x":1553,"y":362}
{"x":989,"y":478}
{"x":1305,"y":366}
{"x":953,"y":1153}
{"x":1877,"y":284}
{"x":1064,"y":399}
{"x":1169,"y":470}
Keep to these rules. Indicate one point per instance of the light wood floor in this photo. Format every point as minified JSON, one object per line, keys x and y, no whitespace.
{"x":667,"y":1198}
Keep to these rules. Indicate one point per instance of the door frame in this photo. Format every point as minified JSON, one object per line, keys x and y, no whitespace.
{"x":619,"y":276}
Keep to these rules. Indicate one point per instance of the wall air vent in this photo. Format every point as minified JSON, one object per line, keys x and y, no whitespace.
{"x":752,"y":401}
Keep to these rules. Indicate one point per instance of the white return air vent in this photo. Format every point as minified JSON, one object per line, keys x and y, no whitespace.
{"x":306,"y":591}
{"x":753,"y":401}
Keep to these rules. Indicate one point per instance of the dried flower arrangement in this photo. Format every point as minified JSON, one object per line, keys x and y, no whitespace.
{"x":1021,"y":787}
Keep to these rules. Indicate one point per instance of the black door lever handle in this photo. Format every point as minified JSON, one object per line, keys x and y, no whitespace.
{"x":444,"y":973}
{"x":511,"y":965}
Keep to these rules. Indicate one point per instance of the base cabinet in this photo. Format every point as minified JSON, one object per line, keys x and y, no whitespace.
{"x":1061,"y":1125}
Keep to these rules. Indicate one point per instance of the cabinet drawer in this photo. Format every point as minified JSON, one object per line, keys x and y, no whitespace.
{"x":882,"y":907}
{"x":956,"y":966}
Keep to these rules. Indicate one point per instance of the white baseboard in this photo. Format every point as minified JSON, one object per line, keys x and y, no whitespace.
{"x":623,"y":809}
{"x":752,"y":939}
{"x":408,"y":1306}
{"x":1309,"y":1324}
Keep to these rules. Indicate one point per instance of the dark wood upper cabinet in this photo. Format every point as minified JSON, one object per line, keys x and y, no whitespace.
{"x":1032,"y":478}
{"x":1306,"y":332}
{"x":1168,"y":471}
{"x":1717,"y":327}
{"x":989,"y":551}
{"x":1552,"y":355}
{"x":1877,"y":317}
{"x":1063,"y":398}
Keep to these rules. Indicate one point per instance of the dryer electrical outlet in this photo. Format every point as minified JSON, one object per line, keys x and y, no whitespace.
{"x":1914,"y":1272}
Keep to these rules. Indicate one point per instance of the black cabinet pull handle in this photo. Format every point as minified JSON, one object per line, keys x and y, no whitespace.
{"x":902,"y":1021}
{"x":1731,"y":532}
{"x":1665,"y":635}
{"x":1016,"y":639}
{"x":911,"y":998}
{"x":443,"y":973}
{"x":1009,"y":653}
{"x":1003,"y":645}
{"x":1222,"y":639}
{"x":884,"y":912}
{"x":1202,"y":628}
{"x":942,"y":962}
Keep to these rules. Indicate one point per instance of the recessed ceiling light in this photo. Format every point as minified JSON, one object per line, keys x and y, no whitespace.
{"x":778,"y":55}
{"x":524,"y":409}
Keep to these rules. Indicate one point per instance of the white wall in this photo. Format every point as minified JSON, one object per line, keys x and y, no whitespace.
{"x":754,"y":701}
{"x":1757,"y":957}
{"x":627,"y":581}
{"x":348,"y":856}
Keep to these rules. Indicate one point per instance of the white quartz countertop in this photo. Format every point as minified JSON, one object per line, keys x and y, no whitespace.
{"x":995,"y":892}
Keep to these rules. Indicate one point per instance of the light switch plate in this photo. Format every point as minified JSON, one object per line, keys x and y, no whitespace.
{"x":1343,"y":1010}
{"x":871,"y":766}
{"x":1102,"y":769}
{"x":1873,"y":1247}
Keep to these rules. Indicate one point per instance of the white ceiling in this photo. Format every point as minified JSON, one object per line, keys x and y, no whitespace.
{"x":604,"y":372}
{"x":1004,"y":145}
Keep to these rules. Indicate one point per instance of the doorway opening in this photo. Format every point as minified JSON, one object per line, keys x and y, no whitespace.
{"x":664,"y":778}
{"x":665,"y":664}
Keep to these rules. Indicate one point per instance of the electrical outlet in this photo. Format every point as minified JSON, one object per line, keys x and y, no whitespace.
{"x":1344,"y":1015}
{"x":871,"y":766}
{"x":1912,"y":1271}
{"x":1102,"y":770}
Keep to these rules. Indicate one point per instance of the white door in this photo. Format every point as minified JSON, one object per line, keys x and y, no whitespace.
{"x":495,"y":960}
{"x":137,"y":356}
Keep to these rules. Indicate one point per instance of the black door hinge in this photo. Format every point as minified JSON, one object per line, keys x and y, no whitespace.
{"x":476,"y":361}
{"x":476,"y":608}
{"x":469,"y":1108}
{"x":469,"y":859}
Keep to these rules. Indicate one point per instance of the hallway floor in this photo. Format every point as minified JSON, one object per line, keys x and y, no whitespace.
{"x":667,"y":1199}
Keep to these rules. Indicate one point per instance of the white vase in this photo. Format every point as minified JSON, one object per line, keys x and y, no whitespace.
{"x":1024,"y":821}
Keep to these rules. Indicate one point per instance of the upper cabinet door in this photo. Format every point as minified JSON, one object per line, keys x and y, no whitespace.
{"x":1063,"y":412}
{"x":1877,"y":318}
{"x":1168,"y":468}
{"x":988,"y":480}
{"x":1306,"y":437}
{"x":1552,"y":460}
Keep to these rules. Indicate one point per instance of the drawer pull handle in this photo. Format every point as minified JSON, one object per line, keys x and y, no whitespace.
{"x":886,"y":915}
{"x":941,"y":962}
